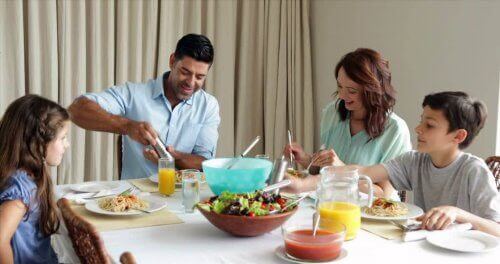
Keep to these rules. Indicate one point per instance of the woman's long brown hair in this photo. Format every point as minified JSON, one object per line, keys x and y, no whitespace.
{"x":26,"y":128}
{"x":367,"y":68}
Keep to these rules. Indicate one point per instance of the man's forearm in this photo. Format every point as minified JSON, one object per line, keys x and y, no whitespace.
{"x":89,"y":115}
{"x":189,"y":161}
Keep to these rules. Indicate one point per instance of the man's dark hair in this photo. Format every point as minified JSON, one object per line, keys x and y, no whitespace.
{"x":195,"y":46}
{"x":461,"y":111}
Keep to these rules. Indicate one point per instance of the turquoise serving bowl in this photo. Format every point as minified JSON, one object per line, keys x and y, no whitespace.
{"x":245,"y":174}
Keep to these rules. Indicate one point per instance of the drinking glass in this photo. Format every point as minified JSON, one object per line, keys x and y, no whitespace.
{"x":166,"y":176}
{"x":190,"y":189}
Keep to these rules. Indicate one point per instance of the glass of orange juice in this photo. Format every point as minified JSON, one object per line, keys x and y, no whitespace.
{"x":166,"y":176}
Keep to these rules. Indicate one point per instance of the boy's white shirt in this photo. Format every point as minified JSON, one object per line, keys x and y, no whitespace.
{"x":466,"y":183}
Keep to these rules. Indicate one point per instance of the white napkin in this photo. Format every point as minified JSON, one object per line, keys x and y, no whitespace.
{"x":422,"y":234}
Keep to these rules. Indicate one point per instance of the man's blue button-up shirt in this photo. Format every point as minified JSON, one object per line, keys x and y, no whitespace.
{"x":190,"y":127}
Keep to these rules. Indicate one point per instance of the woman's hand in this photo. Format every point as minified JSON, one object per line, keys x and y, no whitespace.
{"x":326,"y":158}
{"x":298,"y":153}
{"x":439,"y":217}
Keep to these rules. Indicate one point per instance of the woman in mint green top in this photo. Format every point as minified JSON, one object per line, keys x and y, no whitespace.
{"x":360,"y":148}
{"x":360,"y":126}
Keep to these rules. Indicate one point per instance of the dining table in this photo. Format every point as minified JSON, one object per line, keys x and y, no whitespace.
{"x":196,"y":240}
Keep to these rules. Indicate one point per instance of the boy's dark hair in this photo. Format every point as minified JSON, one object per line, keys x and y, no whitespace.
{"x":461,"y":111}
{"x":195,"y":46}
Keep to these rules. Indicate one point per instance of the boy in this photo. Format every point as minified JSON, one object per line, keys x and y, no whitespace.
{"x":448,"y":184}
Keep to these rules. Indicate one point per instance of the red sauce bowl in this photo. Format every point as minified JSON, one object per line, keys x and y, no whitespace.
{"x":326,"y":245}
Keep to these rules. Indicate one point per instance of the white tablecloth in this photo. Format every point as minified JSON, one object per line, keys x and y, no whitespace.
{"x":197,"y":241}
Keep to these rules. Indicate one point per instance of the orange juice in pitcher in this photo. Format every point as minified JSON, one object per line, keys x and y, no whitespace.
{"x":338,"y":199}
{"x":346,"y":213}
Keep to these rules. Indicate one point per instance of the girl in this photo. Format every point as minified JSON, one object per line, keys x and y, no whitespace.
{"x":32,"y":137}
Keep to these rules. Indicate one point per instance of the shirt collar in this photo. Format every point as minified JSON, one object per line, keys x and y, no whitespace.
{"x":159,"y":91}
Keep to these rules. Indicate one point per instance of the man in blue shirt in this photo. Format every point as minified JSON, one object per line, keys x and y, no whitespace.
{"x":173,"y":107}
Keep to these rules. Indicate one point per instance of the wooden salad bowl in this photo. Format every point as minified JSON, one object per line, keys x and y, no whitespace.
{"x":246,"y":226}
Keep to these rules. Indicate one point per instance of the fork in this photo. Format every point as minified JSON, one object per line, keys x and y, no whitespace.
{"x":406,"y":228}
{"x":112,"y":194}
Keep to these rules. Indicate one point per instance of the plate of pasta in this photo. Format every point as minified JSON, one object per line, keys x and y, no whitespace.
{"x":386,"y":209}
{"x":127,"y":204}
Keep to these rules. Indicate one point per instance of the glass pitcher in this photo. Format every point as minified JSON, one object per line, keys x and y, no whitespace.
{"x":339,"y":200}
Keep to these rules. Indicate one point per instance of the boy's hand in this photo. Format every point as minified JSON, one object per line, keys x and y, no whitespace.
{"x":439,"y":217}
{"x":295,"y":186}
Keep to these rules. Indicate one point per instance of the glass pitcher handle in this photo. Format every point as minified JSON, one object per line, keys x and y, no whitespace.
{"x":370,"y":189}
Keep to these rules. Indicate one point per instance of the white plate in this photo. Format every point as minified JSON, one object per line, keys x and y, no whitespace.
{"x":93,"y":187}
{"x":281,"y":253}
{"x":154,"y":178}
{"x":155,"y":204}
{"x":464,"y":241}
{"x":413,"y":211}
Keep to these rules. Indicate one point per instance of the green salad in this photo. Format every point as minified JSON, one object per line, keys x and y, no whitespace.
{"x":248,"y":204}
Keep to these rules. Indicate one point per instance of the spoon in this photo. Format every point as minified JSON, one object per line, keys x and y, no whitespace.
{"x":291,"y":152}
{"x":245,"y":152}
{"x":276,"y":185}
{"x":316,"y":223}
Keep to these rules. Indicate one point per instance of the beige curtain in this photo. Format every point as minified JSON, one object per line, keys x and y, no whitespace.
{"x":261,"y":75}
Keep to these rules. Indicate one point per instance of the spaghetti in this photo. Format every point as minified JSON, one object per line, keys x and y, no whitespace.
{"x":385,"y":207}
{"x":122,"y":203}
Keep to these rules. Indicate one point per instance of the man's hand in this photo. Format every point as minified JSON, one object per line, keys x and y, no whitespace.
{"x":439,"y":217}
{"x":141,"y":132}
{"x":298,"y":153}
{"x":174,"y":153}
{"x":151,"y":155}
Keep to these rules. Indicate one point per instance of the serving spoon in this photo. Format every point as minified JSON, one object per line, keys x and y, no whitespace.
{"x":244,"y":153}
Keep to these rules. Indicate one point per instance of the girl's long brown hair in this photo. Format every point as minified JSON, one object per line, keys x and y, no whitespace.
{"x":27,"y":127}
{"x":367,"y":68}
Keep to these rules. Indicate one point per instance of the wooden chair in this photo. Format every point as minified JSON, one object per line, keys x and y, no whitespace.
{"x":127,"y":258}
{"x":119,"y":155}
{"x":86,"y":241}
{"x":403,"y":196}
{"x":494,"y":165}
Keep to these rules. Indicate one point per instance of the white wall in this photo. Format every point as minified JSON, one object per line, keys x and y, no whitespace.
{"x":431,"y":46}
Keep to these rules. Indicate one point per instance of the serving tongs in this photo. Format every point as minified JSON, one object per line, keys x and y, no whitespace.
{"x":277,"y":185}
{"x":161,"y":149}
{"x":277,"y":211}
{"x":244,"y":153}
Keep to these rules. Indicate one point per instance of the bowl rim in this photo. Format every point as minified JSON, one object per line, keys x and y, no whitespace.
{"x":336,"y":236}
{"x":244,"y":216}
{"x":205,"y":162}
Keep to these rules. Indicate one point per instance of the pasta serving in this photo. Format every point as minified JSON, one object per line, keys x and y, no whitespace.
{"x":385,"y":207}
{"x":122,"y":203}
